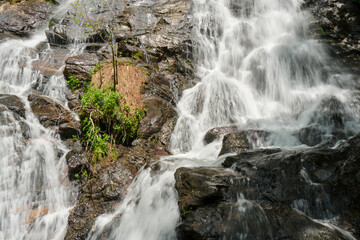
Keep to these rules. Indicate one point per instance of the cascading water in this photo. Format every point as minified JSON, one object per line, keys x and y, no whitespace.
{"x":35,"y":193}
{"x":258,"y":70}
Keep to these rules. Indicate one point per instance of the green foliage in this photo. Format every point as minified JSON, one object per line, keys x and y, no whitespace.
{"x":96,"y":68}
{"x":51,"y":23}
{"x":74,"y":138}
{"x":107,"y":119}
{"x":84,"y":173}
{"x":321,"y":30}
{"x":136,"y":55}
{"x":73,"y":83}
{"x":187,"y":211}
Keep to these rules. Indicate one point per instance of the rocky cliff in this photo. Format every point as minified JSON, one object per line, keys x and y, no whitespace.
{"x":266,"y":185}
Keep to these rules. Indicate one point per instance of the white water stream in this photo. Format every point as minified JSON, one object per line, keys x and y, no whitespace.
{"x":35,"y":194}
{"x":258,"y":70}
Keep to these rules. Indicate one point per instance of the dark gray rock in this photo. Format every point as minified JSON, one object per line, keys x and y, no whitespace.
{"x":13,"y":103}
{"x":244,"y":140}
{"x":22,"y":18}
{"x":320,"y":182}
{"x":77,"y":162}
{"x":69,"y":129}
{"x":158,"y":112}
{"x":49,"y":112}
{"x":80,"y":66}
{"x":218,"y":132}
{"x":337,"y":23}
{"x":57,"y":37}
{"x":327,"y":125}
{"x":106,"y":185}
{"x":25,"y":130}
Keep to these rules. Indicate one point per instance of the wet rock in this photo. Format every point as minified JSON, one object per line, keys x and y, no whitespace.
{"x":327,"y":125}
{"x":13,"y":103}
{"x":336,"y":23}
{"x":241,"y":141}
{"x":162,"y":46}
{"x":25,"y":130}
{"x":76,"y":162}
{"x":157,"y":114}
{"x":235,"y":142}
{"x":310,"y":135}
{"x":57,"y":36}
{"x":69,"y":129}
{"x":107,"y":184}
{"x":271,"y":183}
{"x":80,"y":66}
{"x":49,"y":112}
{"x":22,"y":18}
{"x":217,"y":133}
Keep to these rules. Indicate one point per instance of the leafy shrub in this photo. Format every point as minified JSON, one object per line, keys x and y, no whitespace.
{"x":96,"y":68}
{"x":73,"y":83}
{"x":107,"y":119}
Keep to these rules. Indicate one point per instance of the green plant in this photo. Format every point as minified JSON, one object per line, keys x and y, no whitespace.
{"x":187,"y":211}
{"x":51,"y":23}
{"x":106,"y":120}
{"x":321,"y":30}
{"x":73,"y":83}
{"x":136,"y":55}
{"x":96,"y":68}
{"x":74,"y":138}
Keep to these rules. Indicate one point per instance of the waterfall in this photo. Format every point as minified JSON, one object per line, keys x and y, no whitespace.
{"x":35,"y":194}
{"x":258,"y":70}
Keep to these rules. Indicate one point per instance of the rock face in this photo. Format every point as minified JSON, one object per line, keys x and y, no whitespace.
{"x":51,"y":113}
{"x":217,"y":133}
{"x":107,"y":184}
{"x":76,"y":162}
{"x":80,"y":66}
{"x":161,"y":46}
{"x":241,"y":141}
{"x":259,"y":197}
{"x":337,"y":23}
{"x":12,"y":103}
{"x":22,"y":18}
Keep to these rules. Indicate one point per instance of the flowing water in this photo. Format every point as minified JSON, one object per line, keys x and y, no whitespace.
{"x":35,"y":194}
{"x":259,"y":70}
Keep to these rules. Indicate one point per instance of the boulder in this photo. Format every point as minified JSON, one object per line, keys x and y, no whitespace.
{"x":24,"y":17}
{"x":77,"y":162}
{"x":244,"y":140}
{"x":158,"y":112}
{"x":12,"y":103}
{"x":218,"y":132}
{"x":51,"y":113}
{"x":69,"y":130}
{"x":273,"y":193}
{"x":80,"y":66}
{"x":328,"y":124}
